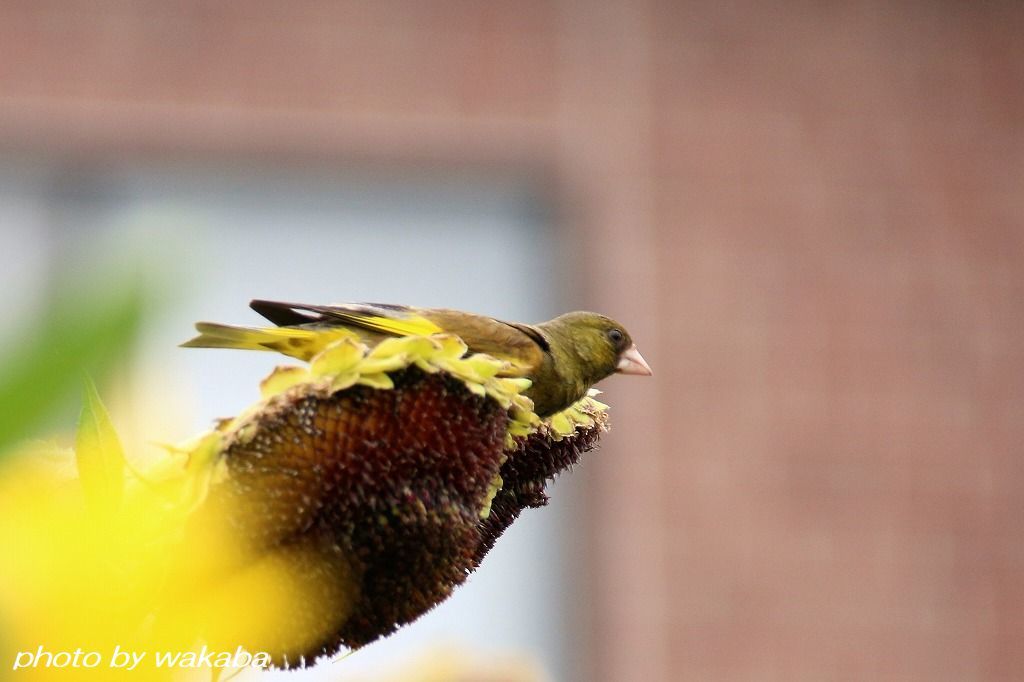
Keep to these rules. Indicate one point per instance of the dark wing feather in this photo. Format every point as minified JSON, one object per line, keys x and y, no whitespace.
{"x":379,"y":318}
{"x":533,"y":333}
{"x":285,"y":314}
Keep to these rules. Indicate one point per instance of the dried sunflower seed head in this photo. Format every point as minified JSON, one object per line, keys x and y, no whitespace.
{"x":389,"y":473}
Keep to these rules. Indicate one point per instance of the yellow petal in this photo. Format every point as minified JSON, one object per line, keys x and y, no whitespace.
{"x":372,"y":365}
{"x":515,"y":385}
{"x":378,"y":380}
{"x":451,"y":346}
{"x":485,"y":365}
{"x":389,"y":347}
{"x":522,"y":412}
{"x":476,"y":388}
{"x":244,"y":432}
{"x":459,"y":368}
{"x":414,"y":346}
{"x":281,"y":379}
{"x":337,"y":358}
{"x":517,"y":428}
{"x":574,"y":415}
{"x":343,"y":381}
{"x":502,"y":398}
{"x":495,"y":486}
{"x":426,"y":366}
{"x":561,"y":424}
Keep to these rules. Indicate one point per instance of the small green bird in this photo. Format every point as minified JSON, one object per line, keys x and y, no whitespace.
{"x":563,"y":357}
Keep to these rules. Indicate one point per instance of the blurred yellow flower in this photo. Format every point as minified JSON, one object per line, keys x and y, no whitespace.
{"x":103,"y":570}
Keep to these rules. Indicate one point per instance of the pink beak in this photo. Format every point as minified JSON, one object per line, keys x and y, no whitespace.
{"x":631,"y":362}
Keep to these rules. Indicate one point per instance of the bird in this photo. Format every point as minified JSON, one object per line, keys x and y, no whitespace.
{"x":563,"y":357}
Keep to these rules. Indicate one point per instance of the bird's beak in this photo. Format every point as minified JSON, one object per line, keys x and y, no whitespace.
{"x":631,"y":362}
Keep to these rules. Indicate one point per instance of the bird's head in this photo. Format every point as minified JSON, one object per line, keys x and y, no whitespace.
{"x":601,"y":345}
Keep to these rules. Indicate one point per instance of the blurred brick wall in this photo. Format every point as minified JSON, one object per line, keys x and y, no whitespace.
{"x":812,"y":215}
{"x":841,"y":203}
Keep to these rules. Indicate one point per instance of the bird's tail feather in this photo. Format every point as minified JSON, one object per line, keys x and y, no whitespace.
{"x":298,"y":343}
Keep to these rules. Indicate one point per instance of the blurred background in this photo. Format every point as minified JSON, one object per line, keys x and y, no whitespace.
{"x":809,"y":215}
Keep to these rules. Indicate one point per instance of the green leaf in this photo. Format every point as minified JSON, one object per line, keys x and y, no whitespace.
{"x":99,"y":454}
{"x":83,"y":328}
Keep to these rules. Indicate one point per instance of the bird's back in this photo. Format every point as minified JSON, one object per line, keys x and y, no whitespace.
{"x":521,"y":345}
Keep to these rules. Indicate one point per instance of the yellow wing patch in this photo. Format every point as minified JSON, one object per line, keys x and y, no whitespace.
{"x":407,"y":325}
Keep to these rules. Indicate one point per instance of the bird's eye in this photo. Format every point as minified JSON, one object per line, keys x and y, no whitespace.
{"x":616,"y":336}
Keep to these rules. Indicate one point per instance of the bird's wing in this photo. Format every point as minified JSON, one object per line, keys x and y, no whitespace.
{"x":518,"y":344}
{"x":524,"y":347}
{"x":388,"y":319}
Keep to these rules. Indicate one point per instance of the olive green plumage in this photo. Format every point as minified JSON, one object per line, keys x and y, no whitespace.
{"x":563,"y":357}
{"x":583,"y":348}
